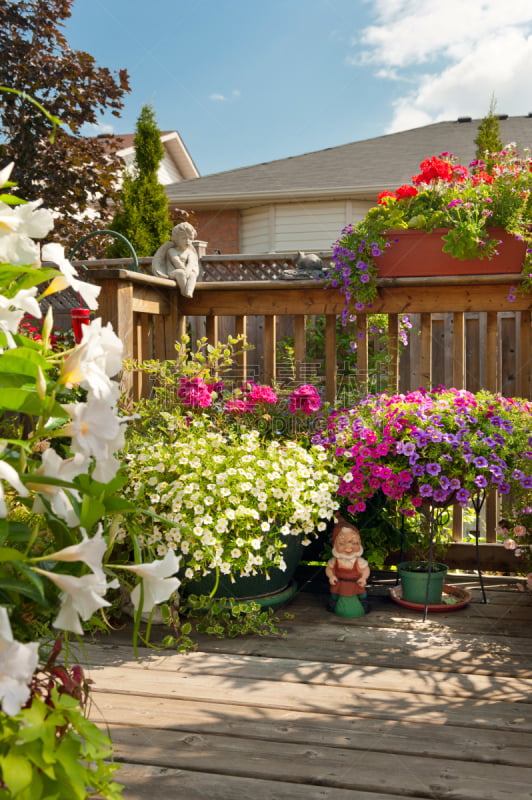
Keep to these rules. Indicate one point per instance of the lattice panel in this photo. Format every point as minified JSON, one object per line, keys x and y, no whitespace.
{"x":252,"y":270}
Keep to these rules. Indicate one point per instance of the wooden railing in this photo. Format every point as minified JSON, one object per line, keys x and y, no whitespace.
{"x":149,"y":315}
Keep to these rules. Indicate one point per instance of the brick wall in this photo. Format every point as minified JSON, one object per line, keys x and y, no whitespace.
{"x":220,"y":229}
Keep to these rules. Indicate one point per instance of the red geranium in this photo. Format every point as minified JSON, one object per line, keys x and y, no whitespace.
{"x":383,"y":195}
{"x":406,"y":191}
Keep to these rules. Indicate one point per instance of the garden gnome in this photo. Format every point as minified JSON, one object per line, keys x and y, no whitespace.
{"x":178,"y":259}
{"x":347,"y":572}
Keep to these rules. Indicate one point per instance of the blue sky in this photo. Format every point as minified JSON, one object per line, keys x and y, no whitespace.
{"x":247,"y":81}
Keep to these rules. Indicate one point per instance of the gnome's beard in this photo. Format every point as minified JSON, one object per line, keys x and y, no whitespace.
{"x":347,"y":559}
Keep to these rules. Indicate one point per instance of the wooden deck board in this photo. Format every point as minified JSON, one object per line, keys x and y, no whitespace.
{"x":376,"y":708}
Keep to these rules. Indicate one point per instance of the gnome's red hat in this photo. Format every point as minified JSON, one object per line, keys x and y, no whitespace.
{"x":342,"y":523}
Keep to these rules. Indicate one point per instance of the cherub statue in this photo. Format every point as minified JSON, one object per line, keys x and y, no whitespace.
{"x":178,"y":259}
{"x":347,"y":572}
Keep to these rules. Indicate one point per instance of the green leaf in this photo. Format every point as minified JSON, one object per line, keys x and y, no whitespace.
{"x":35,"y":579}
{"x":10,"y":380}
{"x":25,"y":402}
{"x":14,"y":587}
{"x":25,"y":277}
{"x":23,"y":360}
{"x":16,"y":771}
{"x":10,"y":554}
{"x":91,"y":512}
{"x":11,"y":199}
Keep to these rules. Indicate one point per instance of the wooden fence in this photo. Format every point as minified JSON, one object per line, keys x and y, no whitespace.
{"x":469,"y":335}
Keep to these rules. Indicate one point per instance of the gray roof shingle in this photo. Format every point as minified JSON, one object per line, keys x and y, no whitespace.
{"x":358,"y":169}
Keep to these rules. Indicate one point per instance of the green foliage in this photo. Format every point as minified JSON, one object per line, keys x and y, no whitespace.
{"x":226,"y":617}
{"x":36,"y":763}
{"x":50,"y":749}
{"x":488,"y":140}
{"x":72,"y":171}
{"x":144,"y":218}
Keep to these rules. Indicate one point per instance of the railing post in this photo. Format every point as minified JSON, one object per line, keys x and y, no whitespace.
{"x":330,"y":359}
{"x":211,"y":329}
{"x":362,"y":352}
{"x":299,"y":345}
{"x":393,"y":352}
{"x":241,"y":356}
{"x":459,"y":350}
{"x":524,"y":377}
{"x":425,"y":355}
{"x":270,"y":345}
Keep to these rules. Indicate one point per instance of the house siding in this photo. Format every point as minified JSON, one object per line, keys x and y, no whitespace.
{"x":168,"y":172}
{"x":311,"y":226}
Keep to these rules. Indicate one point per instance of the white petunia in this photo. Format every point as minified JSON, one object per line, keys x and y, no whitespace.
{"x":18,"y":662}
{"x":80,"y":597}
{"x":158,"y":580}
{"x":7,"y":473}
{"x":89,"y":292}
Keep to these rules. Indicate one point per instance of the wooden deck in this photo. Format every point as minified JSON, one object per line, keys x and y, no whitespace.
{"x":375,"y":708}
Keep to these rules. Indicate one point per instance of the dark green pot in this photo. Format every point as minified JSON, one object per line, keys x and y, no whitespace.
{"x":279,"y":588}
{"x":414,"y":579}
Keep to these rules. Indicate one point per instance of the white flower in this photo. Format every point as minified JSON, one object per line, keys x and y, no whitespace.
{"x":7,"y":473}
{"x":96,"y":431}
{"x":12,"y":309}
{"x":67,"y":469}
{"x":19,"y":225}
{"x":158,"y":581}
{"x":97,"y":359}
{"x":18,"y":662}
{"x":88,"y":291}
{"x":80,"y":597}
{"x":90,"y":551}
{"x":6,"y":173}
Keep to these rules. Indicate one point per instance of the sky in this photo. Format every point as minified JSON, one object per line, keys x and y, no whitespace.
{"x":250,"y":81}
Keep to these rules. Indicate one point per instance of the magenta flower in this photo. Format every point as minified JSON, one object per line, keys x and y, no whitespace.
{"x":194,"y":392}
{"x":305,"y":398}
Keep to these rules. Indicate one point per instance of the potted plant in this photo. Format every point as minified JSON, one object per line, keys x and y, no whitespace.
{"x":426,"y":450}
{"x":236,"y":506}
{"x":465,"y":213}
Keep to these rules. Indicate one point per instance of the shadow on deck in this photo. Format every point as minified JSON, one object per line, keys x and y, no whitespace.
{"x":374,"y":708}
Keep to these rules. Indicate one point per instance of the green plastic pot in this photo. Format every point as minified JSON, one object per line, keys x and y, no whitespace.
{"x":265,"y":591}
{"x":415,"y":576}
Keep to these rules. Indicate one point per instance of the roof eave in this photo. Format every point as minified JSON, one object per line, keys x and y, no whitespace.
{"x":247,"y":199}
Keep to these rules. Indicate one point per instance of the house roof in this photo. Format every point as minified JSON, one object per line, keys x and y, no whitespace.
{"x":356,"y":170}
{"x":123,"y":145}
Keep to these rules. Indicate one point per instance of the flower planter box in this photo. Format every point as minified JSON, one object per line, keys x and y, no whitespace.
{"x":416,"y":253}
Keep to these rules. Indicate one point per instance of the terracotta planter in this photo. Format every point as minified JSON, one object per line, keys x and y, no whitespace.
{"x":416,"y":253}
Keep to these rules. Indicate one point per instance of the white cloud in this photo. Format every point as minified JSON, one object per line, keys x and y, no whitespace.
{"x":94,"y":128}
{"x":222,"y":98}
{"x":452,"y":57}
